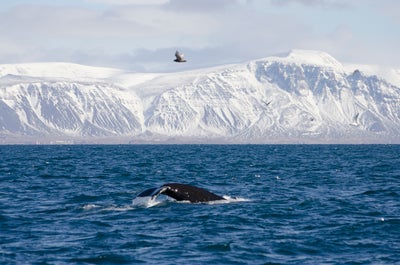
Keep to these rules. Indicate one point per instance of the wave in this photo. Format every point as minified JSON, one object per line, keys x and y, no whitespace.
{"x":148,"y":202}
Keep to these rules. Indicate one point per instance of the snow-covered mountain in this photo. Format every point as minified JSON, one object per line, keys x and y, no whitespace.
{"x":304,"y":96}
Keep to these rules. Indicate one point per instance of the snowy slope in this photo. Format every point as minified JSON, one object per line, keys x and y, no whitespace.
{"x":303,"y":96}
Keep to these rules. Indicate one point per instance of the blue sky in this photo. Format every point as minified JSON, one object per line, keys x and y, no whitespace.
{"x":142,"y":35}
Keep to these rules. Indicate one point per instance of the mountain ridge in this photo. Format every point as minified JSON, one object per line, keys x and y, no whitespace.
{"x":303,"y":97}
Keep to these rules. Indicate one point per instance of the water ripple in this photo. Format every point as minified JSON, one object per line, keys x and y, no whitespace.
{"x":286,"y":204}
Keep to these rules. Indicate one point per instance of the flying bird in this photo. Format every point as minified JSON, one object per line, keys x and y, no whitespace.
{"x":180,"y":57}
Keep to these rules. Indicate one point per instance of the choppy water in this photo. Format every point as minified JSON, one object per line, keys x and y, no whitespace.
{"x":295,"y":204}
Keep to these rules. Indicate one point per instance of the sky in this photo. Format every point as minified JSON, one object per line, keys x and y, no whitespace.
{"x":142,"y":35}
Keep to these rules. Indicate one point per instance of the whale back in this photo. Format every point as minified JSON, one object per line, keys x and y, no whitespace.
{"x":184,"y":192}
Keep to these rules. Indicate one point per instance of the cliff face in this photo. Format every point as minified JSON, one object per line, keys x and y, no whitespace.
{"x":306,"y":96}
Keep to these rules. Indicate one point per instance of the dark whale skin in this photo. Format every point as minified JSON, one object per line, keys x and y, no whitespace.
{"x":182,"y":192}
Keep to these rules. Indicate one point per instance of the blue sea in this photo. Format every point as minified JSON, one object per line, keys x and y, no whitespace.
{"x":286,"y":204}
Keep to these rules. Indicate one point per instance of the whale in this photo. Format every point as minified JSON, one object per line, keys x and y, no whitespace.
{"x":181,"y":192}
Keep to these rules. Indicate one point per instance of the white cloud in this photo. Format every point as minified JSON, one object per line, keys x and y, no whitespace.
{"x":318,"y":3}
{"x":143,"y":34}
{"x":199,"y":6}
{"x":129,"y":2}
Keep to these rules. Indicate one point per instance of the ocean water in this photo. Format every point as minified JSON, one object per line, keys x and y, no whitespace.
{"x":287,"y":204}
